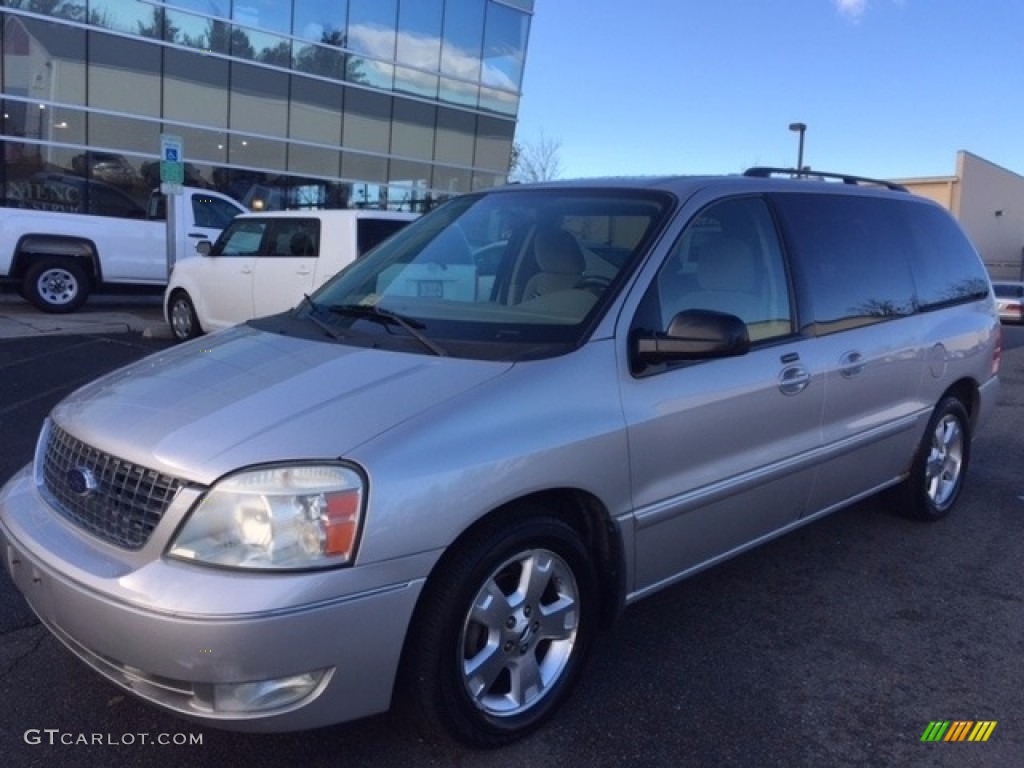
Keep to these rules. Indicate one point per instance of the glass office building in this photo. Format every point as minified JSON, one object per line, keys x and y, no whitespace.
{"x":279,"y":103}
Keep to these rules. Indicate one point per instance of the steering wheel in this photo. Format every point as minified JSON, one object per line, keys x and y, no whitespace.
{"x":595,"y":283}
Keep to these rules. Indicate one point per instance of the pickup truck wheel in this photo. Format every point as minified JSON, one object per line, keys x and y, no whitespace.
{"x":56,"y":285}
{"x":184,"y":322}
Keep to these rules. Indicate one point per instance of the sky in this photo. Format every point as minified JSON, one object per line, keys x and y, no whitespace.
{"x":887,"y":88}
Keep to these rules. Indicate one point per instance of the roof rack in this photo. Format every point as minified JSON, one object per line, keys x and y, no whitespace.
{"x":762,"y":172}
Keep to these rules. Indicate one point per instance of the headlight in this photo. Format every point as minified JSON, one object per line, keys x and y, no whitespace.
{"x":278,"y":517}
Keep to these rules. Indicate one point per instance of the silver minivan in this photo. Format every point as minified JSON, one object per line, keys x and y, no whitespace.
{"x":435,"y":480}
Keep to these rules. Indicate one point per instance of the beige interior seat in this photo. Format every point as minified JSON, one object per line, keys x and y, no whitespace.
{"x":561,"y":263}
{"x":726,"y":280}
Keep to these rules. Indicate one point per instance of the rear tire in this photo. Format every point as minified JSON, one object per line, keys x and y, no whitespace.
{"x":501,"y":632}
{"x":940,"y":466}
{"x":55,"y":284}
{"x":183,"y":319}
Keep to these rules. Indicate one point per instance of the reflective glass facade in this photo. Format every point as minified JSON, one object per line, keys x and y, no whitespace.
{"x":307,"y":103}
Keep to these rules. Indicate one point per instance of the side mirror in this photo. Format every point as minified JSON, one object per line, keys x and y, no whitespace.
{"x":696,"y":334}
{"x":203,"y":247}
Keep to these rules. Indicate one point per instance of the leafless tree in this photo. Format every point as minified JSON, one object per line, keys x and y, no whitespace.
{"x":536,"y":161}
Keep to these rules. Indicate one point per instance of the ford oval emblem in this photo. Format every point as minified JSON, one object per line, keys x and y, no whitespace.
{"x":81,"y":481}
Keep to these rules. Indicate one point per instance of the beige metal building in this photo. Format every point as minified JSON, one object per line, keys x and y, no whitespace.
{"x":988,"y":201}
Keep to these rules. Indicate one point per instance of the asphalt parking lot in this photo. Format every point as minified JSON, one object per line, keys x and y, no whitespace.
{"x":834,"y":646}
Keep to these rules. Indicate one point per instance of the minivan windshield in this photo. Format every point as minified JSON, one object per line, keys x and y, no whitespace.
{"x":513,"y":274}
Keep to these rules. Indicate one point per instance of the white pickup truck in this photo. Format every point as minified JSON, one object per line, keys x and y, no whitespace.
{"x":61,"y":236}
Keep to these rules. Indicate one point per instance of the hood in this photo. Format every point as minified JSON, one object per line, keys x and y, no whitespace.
{"x":246,"y":396}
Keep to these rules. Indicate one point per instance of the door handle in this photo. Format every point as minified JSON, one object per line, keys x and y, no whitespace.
{"x":246,"y":270}
{"x":851,"y":364}
{"x":794,"y":379}
{"x":303,"y":271}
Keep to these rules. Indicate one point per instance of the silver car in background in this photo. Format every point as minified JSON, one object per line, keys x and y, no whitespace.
{"x":432,"y":482}
{"x":1009,"y":300}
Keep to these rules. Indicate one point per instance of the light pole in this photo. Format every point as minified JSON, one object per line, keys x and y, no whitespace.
{"x":800,"y":128}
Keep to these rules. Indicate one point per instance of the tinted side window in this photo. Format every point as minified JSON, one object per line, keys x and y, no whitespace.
{"x":727,"y":260}
{"x":946,"y":267}
{"x":850,"y":258}
{"x":211,"y":212}
{"x":294,"y":237}
{"x":371,"y":232}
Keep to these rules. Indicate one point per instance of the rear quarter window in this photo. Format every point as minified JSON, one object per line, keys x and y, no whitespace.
{"x":946,"y":268}
{"x":851,"y":259}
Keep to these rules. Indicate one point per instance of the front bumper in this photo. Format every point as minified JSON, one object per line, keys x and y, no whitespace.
{"x":139,"y":628}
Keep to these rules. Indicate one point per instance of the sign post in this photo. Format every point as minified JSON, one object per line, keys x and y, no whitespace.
{"x":172,"y":177}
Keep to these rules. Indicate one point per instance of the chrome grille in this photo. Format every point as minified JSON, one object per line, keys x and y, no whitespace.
{"x":116,"y":500}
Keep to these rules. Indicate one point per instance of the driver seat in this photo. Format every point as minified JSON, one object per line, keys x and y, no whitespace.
{"x":561,"y":263}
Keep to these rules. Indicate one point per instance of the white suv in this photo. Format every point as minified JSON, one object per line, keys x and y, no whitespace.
{"x":264,"y":263}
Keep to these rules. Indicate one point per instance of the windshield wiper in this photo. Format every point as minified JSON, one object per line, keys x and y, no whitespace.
{"x":387,"y":317}
{"x":320,"y":323}
{"x":309,"y":300}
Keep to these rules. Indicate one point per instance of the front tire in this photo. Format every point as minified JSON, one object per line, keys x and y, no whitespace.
{"x":937,"y":475}
{"x":183,"y":318}
{"x":502,"y":631}
{"x":56,"y":285}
